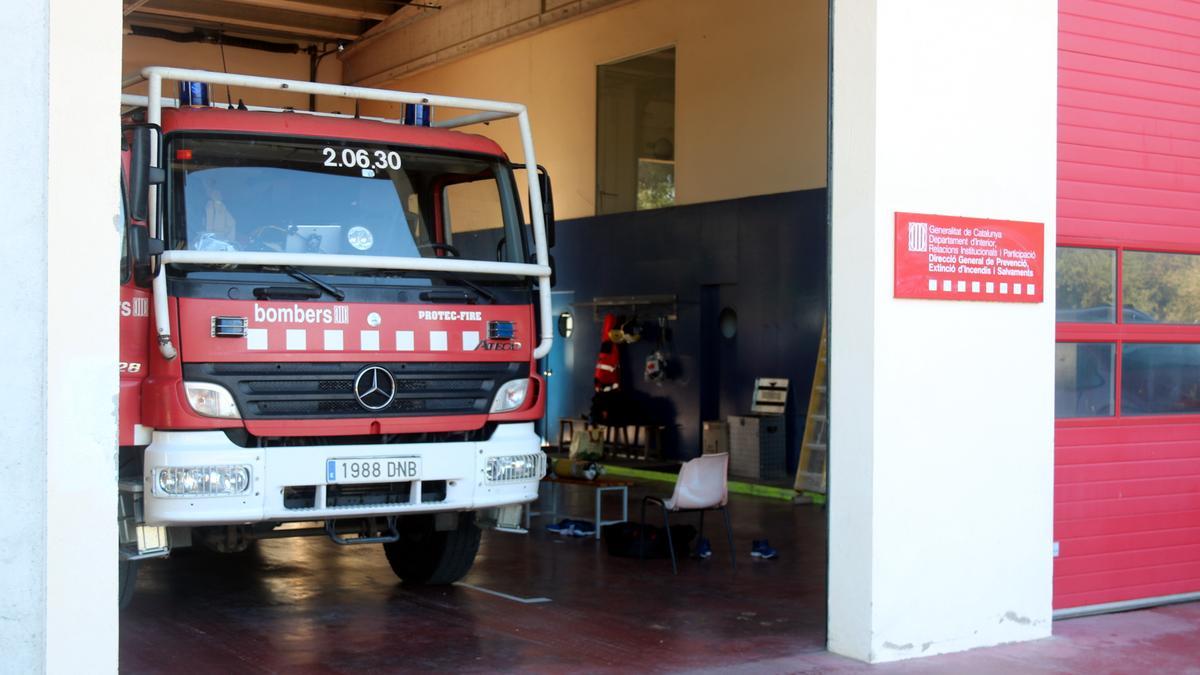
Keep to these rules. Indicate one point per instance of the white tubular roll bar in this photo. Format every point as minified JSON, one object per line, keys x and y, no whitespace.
{"x":371,"y":262}
{"x":486,"y":111}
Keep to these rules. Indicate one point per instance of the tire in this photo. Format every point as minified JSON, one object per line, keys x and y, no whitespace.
{"x":127,"y":571}
{"x":425,"y":557}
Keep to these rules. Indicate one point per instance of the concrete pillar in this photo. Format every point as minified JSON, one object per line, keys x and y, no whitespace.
{"x":59,"y":187}
{"x":941,"y":470}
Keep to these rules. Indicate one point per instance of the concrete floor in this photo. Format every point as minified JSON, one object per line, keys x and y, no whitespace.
{"x":307,"y":605}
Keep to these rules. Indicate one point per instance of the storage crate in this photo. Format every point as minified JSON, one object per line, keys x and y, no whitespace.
{"x":714,"y":438}
{"x":757,"y":446}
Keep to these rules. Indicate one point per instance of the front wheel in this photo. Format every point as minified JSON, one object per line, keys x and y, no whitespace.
{"x":127,"y":571}
{"x":424,"y":556}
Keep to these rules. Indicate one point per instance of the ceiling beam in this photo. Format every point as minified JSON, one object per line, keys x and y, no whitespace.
{"x":233,"y":15}
{"x":216,"y":29}
{"x":361,"y":10}
{"x":413,"y":40}
{"x":131,"y":7}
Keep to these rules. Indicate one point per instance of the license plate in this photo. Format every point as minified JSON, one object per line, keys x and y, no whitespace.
{"x":373,"y":470}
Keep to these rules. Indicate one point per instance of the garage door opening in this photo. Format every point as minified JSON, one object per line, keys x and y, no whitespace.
{"x":691,"y":263}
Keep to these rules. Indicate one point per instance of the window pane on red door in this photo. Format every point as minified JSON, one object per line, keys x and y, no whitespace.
{"x":1083,"y":379}
{"x":1160,"y":379}
{"x":1161,"y":287}
{"x":1085,"y":281}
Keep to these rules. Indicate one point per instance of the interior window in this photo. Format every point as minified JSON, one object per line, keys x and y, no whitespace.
{"x":635,"y":133}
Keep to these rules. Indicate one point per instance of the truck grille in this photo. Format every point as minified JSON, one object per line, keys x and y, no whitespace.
{"x":326,"y":390}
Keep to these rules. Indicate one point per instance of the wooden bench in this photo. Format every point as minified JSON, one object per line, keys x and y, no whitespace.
{"x":616,"y":438}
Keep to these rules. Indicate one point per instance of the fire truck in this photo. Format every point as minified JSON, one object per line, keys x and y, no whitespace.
{"x":330,"y":324}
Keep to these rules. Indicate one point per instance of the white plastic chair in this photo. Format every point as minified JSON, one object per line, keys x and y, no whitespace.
{"x":703,"y":485}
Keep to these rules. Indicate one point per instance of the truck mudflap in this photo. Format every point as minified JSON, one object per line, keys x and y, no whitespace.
{"x":202,"y":478}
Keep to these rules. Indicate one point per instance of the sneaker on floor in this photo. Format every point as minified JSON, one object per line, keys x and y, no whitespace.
{"x":762,"y":549}
{"x":703,"y":549}
{"x":561,"y":527}
{"x":582,"y":528}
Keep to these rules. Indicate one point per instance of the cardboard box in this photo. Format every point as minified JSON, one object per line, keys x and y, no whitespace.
{"x":714,"y":437}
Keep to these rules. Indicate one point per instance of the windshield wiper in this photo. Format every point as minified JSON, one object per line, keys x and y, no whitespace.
{"x":306,"y":277}
{"x":480,"y":290}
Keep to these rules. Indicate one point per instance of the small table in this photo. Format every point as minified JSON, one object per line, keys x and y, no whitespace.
{"x":600,"y":485}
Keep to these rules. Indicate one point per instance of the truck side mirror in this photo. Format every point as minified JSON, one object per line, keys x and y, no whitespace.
{"x":144,"y":251}
{"x":547,"y":204}
{"x":142,"y":172}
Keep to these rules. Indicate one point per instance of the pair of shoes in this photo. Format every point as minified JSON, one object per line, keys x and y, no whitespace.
{"x":761,"y":548}
{"x":574,"y":528}
{"x":703,"y":549}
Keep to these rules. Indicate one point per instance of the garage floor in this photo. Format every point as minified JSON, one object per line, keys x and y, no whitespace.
{"x":306,"y":605}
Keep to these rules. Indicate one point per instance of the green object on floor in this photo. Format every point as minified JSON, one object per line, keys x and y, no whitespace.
{"x":735,"y":486}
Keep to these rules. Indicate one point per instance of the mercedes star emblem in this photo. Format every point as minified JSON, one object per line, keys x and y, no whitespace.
{"x":374,"y":387}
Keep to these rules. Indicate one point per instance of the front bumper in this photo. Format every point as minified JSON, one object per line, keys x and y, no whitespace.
{"x":458,"y":468}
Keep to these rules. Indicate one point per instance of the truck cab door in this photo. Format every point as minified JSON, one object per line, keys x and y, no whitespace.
{"x":134,"y":322}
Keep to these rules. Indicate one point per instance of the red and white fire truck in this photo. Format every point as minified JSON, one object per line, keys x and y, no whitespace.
{"x":330,"y":325}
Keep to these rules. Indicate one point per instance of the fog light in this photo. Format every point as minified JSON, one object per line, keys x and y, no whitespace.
{"x":204,"y":480}
{"x":511,"y":396}
{"x":514,"y":467}
{"x":211,"y":400}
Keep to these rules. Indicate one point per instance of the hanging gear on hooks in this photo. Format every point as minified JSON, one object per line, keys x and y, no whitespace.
{"x":656,"y":363}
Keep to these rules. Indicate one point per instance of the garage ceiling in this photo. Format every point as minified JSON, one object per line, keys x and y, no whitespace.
{"x":303,"y":20}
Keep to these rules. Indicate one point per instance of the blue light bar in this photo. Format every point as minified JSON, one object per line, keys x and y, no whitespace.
{"x":418,"y":114}
{"x":193,"y":94}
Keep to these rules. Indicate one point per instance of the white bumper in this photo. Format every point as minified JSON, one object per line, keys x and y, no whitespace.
{"x":459,"y":465}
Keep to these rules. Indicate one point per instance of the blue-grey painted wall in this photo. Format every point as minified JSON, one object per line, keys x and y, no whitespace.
{"x":764,"y":257}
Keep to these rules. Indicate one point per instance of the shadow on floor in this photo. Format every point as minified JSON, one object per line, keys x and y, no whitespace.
{"x":307,"y":604}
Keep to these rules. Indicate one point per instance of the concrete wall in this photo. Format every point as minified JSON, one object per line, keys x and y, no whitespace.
{"x":942,"y":412}
{"x":58,"y":585}
{"x":750,"y":93}
{"x":139,"y":52}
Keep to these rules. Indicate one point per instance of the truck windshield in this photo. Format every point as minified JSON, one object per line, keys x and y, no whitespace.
{"x":338,"y":197}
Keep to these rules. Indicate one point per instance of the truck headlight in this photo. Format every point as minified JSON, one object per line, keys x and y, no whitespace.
{"x":203,"y":480}
{"x":211,"y":400}
{"x":508,"y":468}
{"x":511,"y":396}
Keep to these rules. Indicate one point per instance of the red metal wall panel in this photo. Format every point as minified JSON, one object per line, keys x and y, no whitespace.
{"x":1127,"y":489}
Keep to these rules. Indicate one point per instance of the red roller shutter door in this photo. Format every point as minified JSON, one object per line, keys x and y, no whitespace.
{"x":1127,"y":481}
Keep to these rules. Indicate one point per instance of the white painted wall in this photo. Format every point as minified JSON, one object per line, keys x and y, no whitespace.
{"x":58,"y":587}
{"x":942,"y":412}
{"x":22,"y":417}
{"x":750,"y":92}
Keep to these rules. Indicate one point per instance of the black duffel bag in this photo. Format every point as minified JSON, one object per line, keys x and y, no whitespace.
{"x":625,"y":540}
